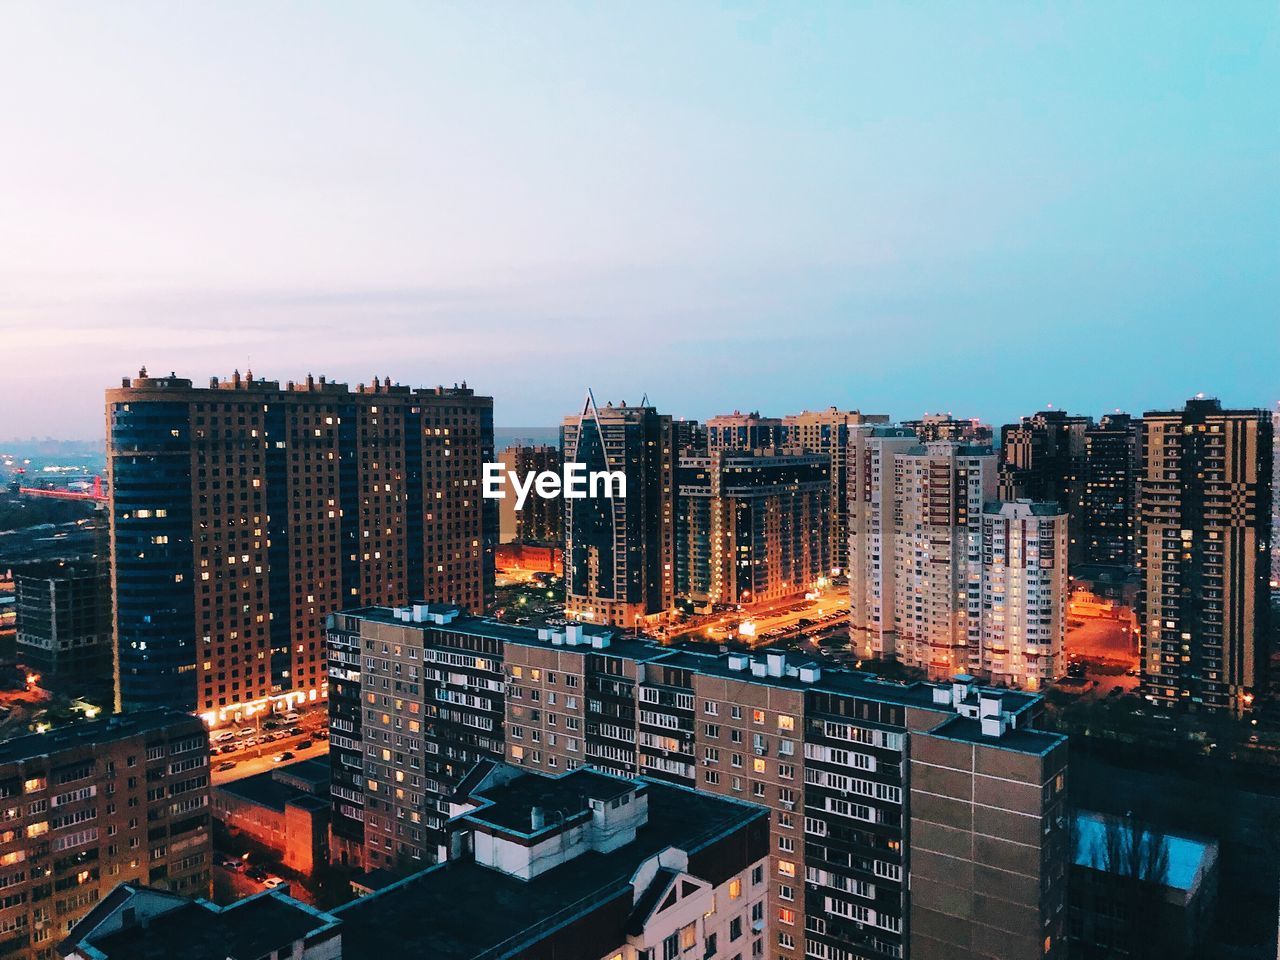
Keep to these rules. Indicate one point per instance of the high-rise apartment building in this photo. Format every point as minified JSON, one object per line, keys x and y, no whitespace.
{"x":873,"y":523}
{"x":918,"y":820}
{"x":1275,"y":500}
{"x":939,"y":490}
{"x":827,"y":432}
{"x":244,"y":513}
{"x":619,"y":552}
{"x":1112,"y":464}
{"x":93,"y":805}
{"x":943,"y":426}
{"x":743,"y":431}
{"x":689,"y":437}
{"x":751,"y":526}
{"x":1025,"y":589}
{"x":64,"y":628}
{"x":1042,"y":458}
{"x":1204,"y":522}
{"x":541,"y":519}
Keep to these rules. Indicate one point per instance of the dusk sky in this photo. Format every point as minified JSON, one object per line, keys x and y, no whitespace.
{"x":897,"y":207}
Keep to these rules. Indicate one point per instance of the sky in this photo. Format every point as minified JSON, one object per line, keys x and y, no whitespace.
{"x":980,"y":208}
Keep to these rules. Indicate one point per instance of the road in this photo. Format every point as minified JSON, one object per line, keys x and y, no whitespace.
{"x":782,"y":615}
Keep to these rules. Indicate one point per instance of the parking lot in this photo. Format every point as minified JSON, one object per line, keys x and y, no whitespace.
{"x":263,"y":743}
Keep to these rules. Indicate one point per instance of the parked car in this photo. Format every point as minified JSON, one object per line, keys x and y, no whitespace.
{"x":251,"y":742}
{"x":271,"y":724}
{"x":232,"y":864}
{"x":225,"y":765}
{"x":291,"y":718}
{"x":303,"y":744}
{"x":272,"y":882}
{"x":295,"y":731}
{"x":256,"y":873}
{"x":247,"y":732}
{"x":224,"y":736}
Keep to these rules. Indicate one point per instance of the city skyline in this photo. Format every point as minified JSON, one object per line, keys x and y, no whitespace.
{"x":850,"y":207}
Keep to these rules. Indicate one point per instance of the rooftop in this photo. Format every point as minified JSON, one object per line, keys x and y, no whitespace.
{"x":197,"y":930}
{"x":969,"y":730}
{"x":272,"y":789}
{"x":509,"y":804}
{"x":463,"y":911}
{"x":90,"y":732}
{"x":713,"y":663}
{"x":1190,"y":858}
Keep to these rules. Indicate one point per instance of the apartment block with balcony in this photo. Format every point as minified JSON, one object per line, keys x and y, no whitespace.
{"x":751,"y":527}
{"x":1025,"y":589}
{"x":92,"y":805}
{"x":827,"y":751}
{"x":827,"y":432}
{"x":873,"y":524}
{"x":243,"y":513}
{"x":939,"y":493}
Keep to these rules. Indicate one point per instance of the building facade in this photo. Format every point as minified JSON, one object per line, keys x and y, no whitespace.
{"x":244,"y":513}
{"x":893,"y":808}
{"x":285,"y":810}
{"x":940,"y":490}
{"x":873,"y":523}
{"x":541,"y":520}
{"x":1275,"y":500}
{"x":943,"y":426}
{"x":1042,"y":458}
{"x":751,"y":527}
{"x":1204,"y":522}
{"x":619,"y":552}
{"x":827,"y":432}
{"x":64,"y":628}
{"x":583,"y":865}
{"x":1112,"y":465}
{"x":93,"y":805}
{"x":743,"y":431}
{"x":1025,"y":589}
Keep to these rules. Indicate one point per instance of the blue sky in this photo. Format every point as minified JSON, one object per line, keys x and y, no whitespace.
{"x":975,"y":207}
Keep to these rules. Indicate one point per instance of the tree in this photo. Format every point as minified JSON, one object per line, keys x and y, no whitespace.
{"x":1135,"y":858}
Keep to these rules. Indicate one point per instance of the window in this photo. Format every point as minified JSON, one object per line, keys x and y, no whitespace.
{"x":735,"y":888}
{"x":688,"y":936}
{"x":787,"y":915}
{"x":671,"y":947}
{"x":735,"y":928}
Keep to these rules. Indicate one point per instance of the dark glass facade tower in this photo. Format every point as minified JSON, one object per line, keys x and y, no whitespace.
{"x":1112,"y":464}
{"x":243,"y":514}
{"x":1042,"y":458}
{"x":619,"y":551}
